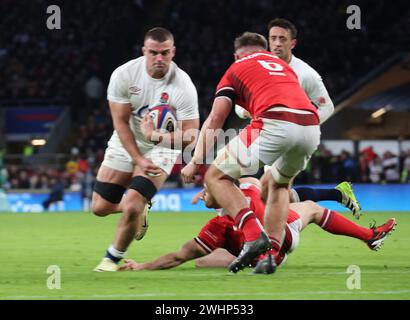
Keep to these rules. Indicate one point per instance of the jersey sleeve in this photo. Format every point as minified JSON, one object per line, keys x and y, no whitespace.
{"x":242,"y":112}
{"x":225,"y":87}
{"x":117,"y":90}
{"x":317,"y":93}
{"x":186,"y":102}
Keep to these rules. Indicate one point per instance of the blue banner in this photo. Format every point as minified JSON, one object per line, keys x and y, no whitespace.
{"x":372,"y":197}
{"x":31,"y":120}
{"x":177,"y":200}
{"x":394,"y":197}
{"x":32,"y":202}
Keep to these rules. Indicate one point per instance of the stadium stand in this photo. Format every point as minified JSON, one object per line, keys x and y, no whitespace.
{"x":72,"y":66}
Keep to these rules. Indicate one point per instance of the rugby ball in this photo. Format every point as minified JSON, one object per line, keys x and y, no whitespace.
{"x":164,"y":118}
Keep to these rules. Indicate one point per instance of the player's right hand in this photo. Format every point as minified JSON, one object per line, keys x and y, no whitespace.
{"x":188,"y":172}
{"x":130,"y":265}
{"x":148,"y":167}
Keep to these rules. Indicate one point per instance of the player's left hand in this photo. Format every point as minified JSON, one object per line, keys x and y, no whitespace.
{"x":197,"y":197}
{"x":188,"y":172}
{"x":147,"y":127}
{"x":130,"y":265}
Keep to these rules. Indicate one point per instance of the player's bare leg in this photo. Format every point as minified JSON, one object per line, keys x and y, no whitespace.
{"x":234,"y":202}
{"x":132,"y":208}
{"x":309,"y":212}
{"x":226,"y":193}
{"x":276,"y":198}
{"x":276,"y":209}
{"x":102,"y":207}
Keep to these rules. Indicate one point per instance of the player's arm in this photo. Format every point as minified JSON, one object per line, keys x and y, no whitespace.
{"x":189,"y":251}
{"x":216,"y":119}
{"x":184,"y":135}
{"x":219,"y":258}
{"x":121,"y":114}
{"x":317,"y":92}
{"x":121,"y":108}
{"x":220,"y":110}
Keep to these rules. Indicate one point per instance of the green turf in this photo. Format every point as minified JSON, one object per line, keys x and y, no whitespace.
{"x":75,"y":242}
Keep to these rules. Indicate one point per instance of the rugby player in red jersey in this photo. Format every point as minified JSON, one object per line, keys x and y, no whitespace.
{"x":283,"y":134}
{"x":219,"y":242}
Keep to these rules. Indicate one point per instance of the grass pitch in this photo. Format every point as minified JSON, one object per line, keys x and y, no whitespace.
{"x":75,"y":242}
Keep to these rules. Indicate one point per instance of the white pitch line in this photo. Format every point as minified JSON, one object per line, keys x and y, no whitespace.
{"x":266,"y":294}
{"x":166,"y":275}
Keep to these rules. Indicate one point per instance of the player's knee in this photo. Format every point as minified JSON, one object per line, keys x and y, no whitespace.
{"x":210,"y":177}
{"x":314,"y":210}
{"x":132,"y":209}
{"x":310,"y":204}
{"x":269,"y":183}
{"x":213,"y":174}
{"x":281,"y":185}
{"x":99,"y":210}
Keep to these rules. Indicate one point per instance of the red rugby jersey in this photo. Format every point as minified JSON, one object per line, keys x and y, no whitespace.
{"x":260,"y":80}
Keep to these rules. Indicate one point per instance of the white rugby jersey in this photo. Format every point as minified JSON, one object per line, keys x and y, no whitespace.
{"x":130,"y":83}
{"x":313,"y":85}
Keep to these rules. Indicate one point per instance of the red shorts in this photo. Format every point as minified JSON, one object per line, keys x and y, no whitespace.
{"x":220,"y":232}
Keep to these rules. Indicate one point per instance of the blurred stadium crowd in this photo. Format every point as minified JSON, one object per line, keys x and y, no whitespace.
{"x":325,"y":167}
{"x":73,"y":65}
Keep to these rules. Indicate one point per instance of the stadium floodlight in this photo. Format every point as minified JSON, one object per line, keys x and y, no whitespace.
{"x":381,"y":111}
{"x":38,"y":142}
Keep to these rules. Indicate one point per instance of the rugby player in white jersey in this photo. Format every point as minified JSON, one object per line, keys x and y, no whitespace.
{"x":134,"y":159}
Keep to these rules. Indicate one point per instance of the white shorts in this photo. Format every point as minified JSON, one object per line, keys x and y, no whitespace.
{"x":285,"y":146}
{"x":295,"y":227}
{"x":290,"y":240}
{"x":117,"y":158}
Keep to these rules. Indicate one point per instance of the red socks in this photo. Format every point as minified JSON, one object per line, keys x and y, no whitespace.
{"x":335,"y":223}
{"x":246,"y":221}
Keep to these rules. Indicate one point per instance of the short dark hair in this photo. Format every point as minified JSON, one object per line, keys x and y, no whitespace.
{"x":248,"y":39}
{"x":285,"y":24}
{"x":159,"y":34}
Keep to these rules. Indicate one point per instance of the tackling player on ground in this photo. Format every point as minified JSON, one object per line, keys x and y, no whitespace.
{"x":219,"y":241}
